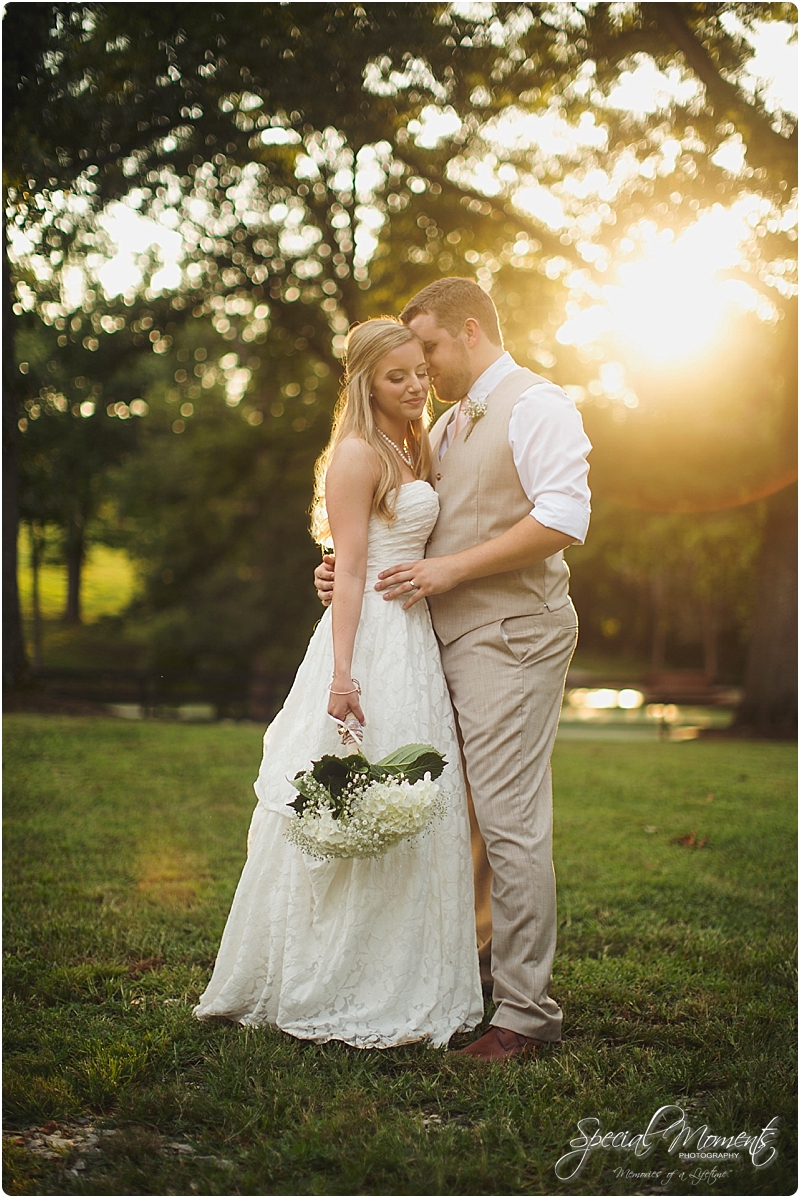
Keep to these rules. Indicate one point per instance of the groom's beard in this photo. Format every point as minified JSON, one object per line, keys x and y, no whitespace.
{"x":453,"y":383}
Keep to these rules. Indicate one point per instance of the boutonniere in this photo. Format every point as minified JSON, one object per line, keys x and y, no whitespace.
{"x":473,"y":410}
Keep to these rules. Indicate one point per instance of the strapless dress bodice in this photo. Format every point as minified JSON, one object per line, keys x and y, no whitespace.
{"x":403,"y":540}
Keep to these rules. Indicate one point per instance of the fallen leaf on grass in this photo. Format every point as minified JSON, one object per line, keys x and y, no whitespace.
{"x":147,"y":965}
{"x":689,"y":841}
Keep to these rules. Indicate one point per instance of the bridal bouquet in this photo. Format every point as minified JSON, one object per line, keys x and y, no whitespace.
{"x":350,"y":807}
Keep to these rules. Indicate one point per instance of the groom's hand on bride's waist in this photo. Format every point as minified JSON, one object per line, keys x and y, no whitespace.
{"x":323,"y":579}
{"x":431,"y":576}
{"x":525,"y":543}
{"x":412,"y":581}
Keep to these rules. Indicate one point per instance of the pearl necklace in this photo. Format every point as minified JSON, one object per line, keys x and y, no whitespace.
{"x":402,"y":453}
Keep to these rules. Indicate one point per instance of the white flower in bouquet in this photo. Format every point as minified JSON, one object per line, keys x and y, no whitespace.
{"x":348,"y":807}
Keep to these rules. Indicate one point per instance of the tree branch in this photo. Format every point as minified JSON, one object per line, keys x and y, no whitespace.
{"x":549,"y":241}
{"x":765,"y":147}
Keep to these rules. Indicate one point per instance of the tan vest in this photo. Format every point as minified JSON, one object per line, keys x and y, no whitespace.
{"x":480,"y":496}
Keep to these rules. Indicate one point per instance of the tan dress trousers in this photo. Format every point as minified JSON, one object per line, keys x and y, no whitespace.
{"x":506,"y":681}
{"x":482,"y":884}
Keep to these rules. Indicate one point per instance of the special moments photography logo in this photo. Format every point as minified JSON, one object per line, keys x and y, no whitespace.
{"x":693,"y":1147}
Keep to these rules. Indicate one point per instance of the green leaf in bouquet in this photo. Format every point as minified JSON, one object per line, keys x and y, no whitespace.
{"x":413,"y":761}
{"x":335,"y":772}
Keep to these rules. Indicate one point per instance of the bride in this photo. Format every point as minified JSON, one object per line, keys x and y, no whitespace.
{"x":374,"y":951}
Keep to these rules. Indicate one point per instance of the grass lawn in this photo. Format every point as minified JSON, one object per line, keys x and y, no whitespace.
{"x":675,"y":970}
{"x":108,"y":582}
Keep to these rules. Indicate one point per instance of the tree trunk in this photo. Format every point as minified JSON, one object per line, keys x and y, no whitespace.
{"x":14,"y":659}
{"x":769,"y":707}
{"x":75,"y":552}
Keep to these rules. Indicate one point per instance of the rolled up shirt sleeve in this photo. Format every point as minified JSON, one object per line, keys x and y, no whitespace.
{"x":550,"y":450}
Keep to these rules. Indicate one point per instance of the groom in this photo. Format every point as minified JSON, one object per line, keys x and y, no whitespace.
{"x":510,"y":470}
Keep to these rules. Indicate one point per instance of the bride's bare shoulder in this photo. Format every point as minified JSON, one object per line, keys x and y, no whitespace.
{"x":354,"y":456}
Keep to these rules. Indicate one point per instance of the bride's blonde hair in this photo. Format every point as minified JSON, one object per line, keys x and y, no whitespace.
{"x":366,"y":344}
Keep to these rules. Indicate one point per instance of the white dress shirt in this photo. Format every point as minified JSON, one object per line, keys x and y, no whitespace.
{"x":549,"y":447}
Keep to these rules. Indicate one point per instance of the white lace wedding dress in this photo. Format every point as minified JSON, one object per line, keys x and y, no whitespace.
{"x":374,"y":952}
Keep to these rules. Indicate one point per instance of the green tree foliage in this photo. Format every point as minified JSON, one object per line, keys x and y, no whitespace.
{"x":79,"y":416}
{"x":658,"y":587}
{"x":284,"y":141}
{"x":214,"y":503}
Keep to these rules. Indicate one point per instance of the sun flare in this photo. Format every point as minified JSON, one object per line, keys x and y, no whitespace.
{"x":670,"y":301}
{"x":667,"y":308}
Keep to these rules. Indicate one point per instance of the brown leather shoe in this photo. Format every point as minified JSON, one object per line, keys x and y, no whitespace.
{"x":499,"y":1043}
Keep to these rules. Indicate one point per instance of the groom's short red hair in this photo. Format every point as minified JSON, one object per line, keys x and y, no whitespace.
{"x":452,"y":301}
